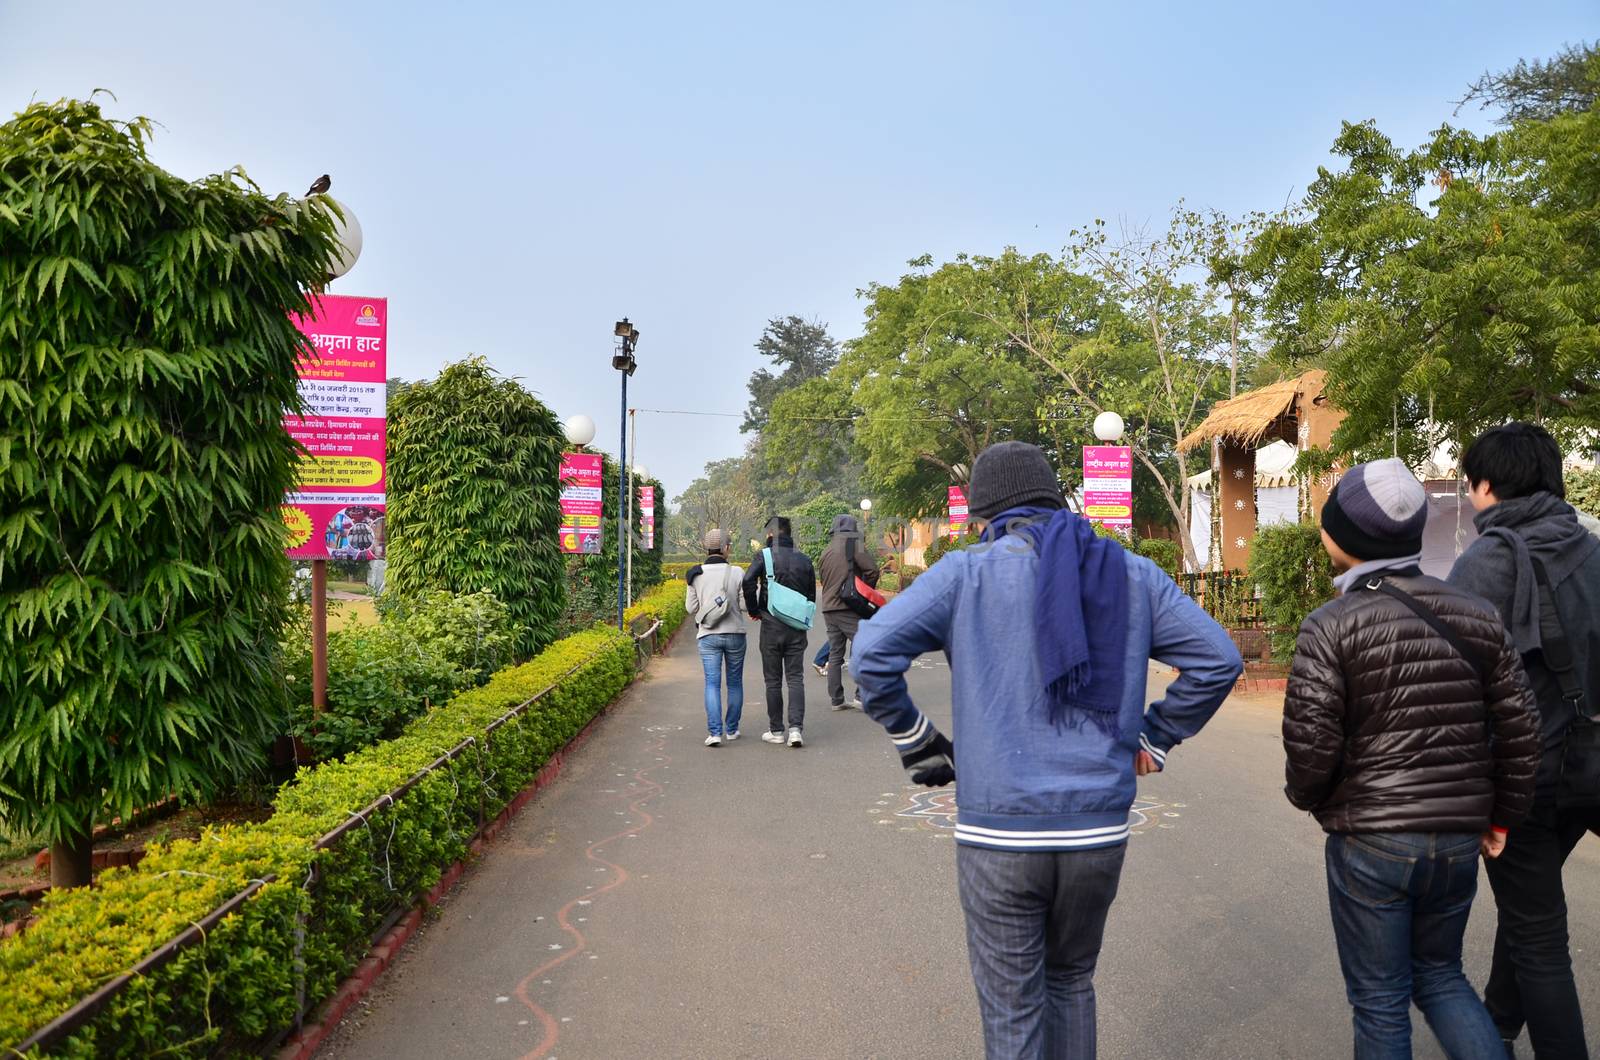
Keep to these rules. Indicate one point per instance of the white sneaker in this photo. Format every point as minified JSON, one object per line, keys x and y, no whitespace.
{"x":713,"y":740}
{"x":794,"y":738}
{"x":857,"y":701}
{"x":821,"y":668}
{"x":731,"y":736}
{"x":772,"y":737}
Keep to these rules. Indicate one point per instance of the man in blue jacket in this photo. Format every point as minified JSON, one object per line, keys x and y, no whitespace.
{"x":1048,"y":630}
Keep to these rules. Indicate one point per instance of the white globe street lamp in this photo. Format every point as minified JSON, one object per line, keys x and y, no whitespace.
{"x":866,"y":504}
{"x":579,"y":429}
{"x":640,"y":471}
{"x":348,"y":232}
{"x":1108,"y":426}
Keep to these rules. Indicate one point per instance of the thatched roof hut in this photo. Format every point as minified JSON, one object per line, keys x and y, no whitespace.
{"x":1260,"y":416}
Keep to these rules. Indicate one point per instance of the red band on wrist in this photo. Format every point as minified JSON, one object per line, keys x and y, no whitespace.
{"x":1497,"y":830}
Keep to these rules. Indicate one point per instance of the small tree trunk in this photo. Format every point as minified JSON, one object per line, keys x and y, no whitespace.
{"x":71,"y":862}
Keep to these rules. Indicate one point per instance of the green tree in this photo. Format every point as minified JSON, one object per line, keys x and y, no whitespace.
{"x":1450,"y":288}
{"x":812,"y":523}
{"x":1538,"y":90}
{"x":724,"y":498}
{"x":802,"y":348}
{"x":146,"y":360}
{"x":935,"y":379}
{"x":474,"y":501}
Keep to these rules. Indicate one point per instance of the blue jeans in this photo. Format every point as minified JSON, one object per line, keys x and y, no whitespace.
{"x":821,"y":658}
{"x":1035,"y":921}
{"x":1400,"y":902}
{"x":715,"y":651}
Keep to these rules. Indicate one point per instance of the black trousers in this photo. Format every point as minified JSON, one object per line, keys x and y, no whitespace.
{"x":783,"y":658}
{"x":842,"y":626}
{"x":1531,"y":980}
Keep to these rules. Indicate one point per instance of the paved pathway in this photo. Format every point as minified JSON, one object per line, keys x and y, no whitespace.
{"x":666,"y":900}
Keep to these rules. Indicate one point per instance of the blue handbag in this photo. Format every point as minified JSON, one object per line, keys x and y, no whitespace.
{"x":787,"y":605}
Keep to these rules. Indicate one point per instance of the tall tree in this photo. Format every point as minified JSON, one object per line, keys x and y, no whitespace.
{"x":474,"y":501}
{"x":802,"y":349}
{"x":146,"y":360}
{"x":1541,"y":89}
{"x":1449,"y":288}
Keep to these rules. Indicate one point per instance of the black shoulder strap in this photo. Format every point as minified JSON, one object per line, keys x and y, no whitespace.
{"x":1557,"y":650}
{"x":1439,"y":626}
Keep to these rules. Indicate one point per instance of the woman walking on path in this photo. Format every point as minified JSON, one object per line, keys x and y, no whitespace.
{"x":714,"y":600}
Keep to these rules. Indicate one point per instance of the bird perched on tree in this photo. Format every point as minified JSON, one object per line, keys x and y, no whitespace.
{"x":320,"y":185}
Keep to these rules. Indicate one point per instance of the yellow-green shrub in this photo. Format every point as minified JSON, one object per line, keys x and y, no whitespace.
{"x":235,"y":991}
{"x":664,"y":602}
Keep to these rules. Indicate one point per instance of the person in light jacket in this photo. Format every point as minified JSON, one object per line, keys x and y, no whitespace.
{"x":714,"y":600}
{"x":1048,"y":630}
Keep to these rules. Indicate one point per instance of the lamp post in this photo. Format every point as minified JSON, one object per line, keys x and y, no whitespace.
{"x":623,"y":361}
{"x":579,"y":430}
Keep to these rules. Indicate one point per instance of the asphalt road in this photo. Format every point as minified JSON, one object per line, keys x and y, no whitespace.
{"x":665,"y":900}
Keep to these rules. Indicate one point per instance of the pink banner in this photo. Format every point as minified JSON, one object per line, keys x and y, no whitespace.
{"x":582,"y":502}
{"x":647,"y":515}
{"x":958,"y":511}
{"x":1108,"y":486}
{"x":337,"y":507}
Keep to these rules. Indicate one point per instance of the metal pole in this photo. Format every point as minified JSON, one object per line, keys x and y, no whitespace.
{"x":319,"y":635}
{"x":622,"y":507}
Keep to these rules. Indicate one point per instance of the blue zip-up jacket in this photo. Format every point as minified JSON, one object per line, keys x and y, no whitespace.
{"x":1022,"y":783}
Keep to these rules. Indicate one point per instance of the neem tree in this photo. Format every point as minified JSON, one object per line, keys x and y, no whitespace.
{"x":146,"y":359}
{"x":474,"y":501}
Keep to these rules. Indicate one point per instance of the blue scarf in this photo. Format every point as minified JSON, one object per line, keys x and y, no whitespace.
{"x":1080,"y":632}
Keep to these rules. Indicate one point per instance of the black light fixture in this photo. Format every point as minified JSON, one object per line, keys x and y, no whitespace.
{"x":622,"y":357}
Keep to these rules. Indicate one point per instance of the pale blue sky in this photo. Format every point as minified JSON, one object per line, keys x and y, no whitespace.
{"x":527,"y":173}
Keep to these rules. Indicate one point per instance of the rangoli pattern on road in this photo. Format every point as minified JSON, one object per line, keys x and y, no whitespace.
{"x":935,"y":809}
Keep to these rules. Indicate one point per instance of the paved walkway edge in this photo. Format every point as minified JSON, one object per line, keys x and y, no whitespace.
{"x":304,"y":1043}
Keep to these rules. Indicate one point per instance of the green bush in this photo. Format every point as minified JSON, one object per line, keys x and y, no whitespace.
{"x":1583,"y":491}
{"x":908,"y":574}
{"x":474,"y":501}
{"x":944,"y":545}
{"x":1291,"y":568}
{"x":147,"y":356}
{"x":667,"y":603}
{"x":423,"y":650}
{"x":677,"y":570}
{"x":236,"y":990}
{"x":1168,"y":555}
{"x":812,"y":523}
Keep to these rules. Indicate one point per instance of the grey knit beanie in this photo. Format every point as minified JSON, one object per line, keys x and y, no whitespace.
{"x":1377,"y":511}
{"x":1009,"y":475}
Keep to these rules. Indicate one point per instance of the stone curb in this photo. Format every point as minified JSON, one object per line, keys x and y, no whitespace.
{"x":303,"y":1045}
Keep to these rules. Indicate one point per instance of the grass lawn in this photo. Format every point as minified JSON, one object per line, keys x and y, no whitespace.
{"x":342,"y":613}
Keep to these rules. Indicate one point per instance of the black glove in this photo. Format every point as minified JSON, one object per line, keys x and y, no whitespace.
{"x":932,"y":764}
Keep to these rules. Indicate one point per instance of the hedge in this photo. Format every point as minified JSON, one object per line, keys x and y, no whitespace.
{"x":665,"y":602}
{"x":236,"y":991}
{"x":1290,"y":565}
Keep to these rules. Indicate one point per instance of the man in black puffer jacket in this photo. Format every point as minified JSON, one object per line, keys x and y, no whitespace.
{"x":1527,"y":526}
{"x":1412,"y":736}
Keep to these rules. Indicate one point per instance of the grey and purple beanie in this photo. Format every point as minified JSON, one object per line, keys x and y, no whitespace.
{"x":1377,"y":511}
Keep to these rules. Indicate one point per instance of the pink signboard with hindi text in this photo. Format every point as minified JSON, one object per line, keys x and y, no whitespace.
{"x":1108,"y":486}
{"x":647,"y":515}
{"x":336,"y":510}
{"x":958,"y":511}
{"x":582,"y":503}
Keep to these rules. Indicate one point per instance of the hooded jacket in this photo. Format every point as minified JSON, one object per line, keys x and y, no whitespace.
{"x":1550,"y":529}
{"x":1388,"y":728}
{"x":790,"y":566}
{"x":837,"y":570}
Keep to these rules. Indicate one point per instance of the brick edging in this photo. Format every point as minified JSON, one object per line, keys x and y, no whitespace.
{"x":304,"y":1043}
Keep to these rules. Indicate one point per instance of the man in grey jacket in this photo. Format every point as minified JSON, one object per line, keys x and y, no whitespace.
{"x":845,"y":559}
{"x":1540,"y":567}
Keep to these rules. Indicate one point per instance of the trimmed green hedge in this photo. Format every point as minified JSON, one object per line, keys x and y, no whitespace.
{"x":238,"y":989}
{"x":666,"y":602}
